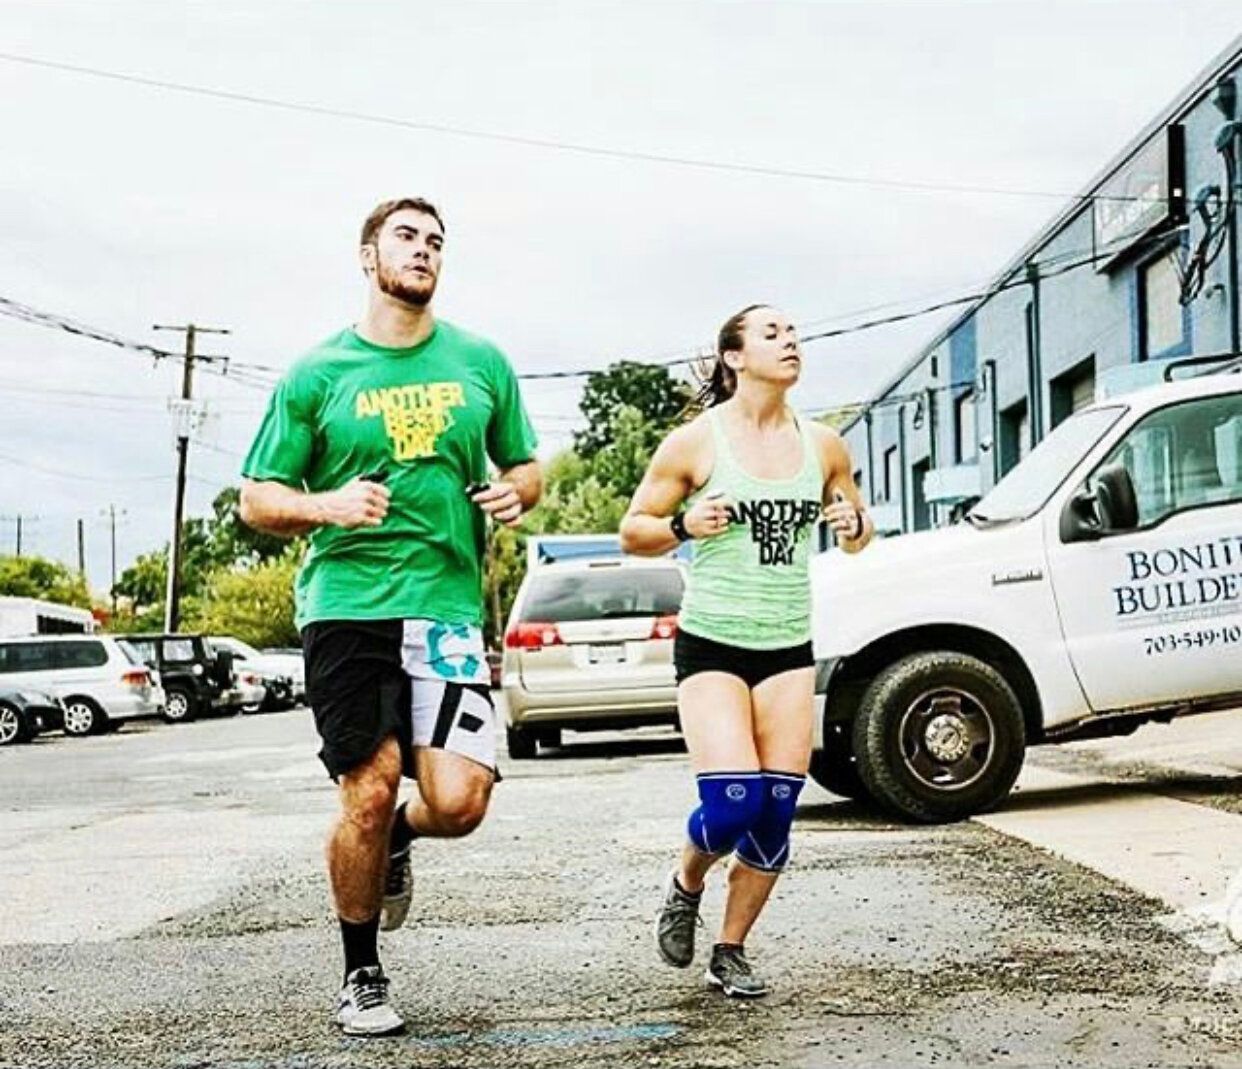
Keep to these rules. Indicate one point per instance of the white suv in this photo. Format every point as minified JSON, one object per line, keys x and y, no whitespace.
{"x":95,"y":677}
{"x":1096,"y":588}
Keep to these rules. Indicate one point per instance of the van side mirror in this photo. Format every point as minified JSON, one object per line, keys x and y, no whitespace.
{"x":1111,"y":506}
{"x":1116,"y":500}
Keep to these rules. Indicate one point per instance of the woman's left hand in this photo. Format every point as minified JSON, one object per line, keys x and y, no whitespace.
{"x":843,"y":517}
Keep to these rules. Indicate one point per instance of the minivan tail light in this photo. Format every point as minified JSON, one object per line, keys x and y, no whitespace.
{"x":138,"y":678}
{"x":664,"y":627}
{"x":532,"y":636}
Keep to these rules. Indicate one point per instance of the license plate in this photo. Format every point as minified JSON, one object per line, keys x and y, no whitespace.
{"x":606,"y":654}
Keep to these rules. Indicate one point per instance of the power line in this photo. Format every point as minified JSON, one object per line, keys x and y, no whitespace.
{"x":577,"y":148}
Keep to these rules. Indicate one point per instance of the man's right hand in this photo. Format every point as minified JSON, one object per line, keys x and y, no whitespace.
{"x":358,"y":503}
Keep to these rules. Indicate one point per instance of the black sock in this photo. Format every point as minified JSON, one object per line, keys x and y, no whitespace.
{"x":692,"y":895}
{"x":361,"y":943}
{"x":402,"y":834}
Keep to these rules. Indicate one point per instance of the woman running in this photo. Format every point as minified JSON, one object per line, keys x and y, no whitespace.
{"x":754,"y":479}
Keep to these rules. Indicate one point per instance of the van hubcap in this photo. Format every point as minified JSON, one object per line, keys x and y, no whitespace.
{"x":947,"y":739}
{"x":78,"y":718}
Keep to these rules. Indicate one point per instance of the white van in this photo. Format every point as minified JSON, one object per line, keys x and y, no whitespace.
{"x":1096,"y":588}
{"x":96,"y":677}
{"x":33,"y":616}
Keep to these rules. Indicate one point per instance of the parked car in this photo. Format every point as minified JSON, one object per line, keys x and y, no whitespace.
{"x":98,"y":681}
{"x":495,"y":667}
{"x":1096,"y":588}
{"x":589,"y":645}
{"x":282,"y":675}
{"x":196,"y":680}
{"x":26,"y":713}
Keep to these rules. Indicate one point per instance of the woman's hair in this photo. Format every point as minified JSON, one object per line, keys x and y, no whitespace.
{"x":718,"y":381}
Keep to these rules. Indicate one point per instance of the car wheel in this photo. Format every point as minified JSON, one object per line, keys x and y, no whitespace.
{"x":178,"y":707}
{"x":84,"y":717}
{"x":550,"y":737}
{"x":833,"y":767}
{"x":939,"y":736}
{"x":521,"y":743}
{"x":13,"y":727}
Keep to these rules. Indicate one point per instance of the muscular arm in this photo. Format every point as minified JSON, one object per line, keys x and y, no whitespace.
{"x":280,"y":510}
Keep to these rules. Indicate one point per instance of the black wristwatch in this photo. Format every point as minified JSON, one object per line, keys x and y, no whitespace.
{"x":678,"y":526}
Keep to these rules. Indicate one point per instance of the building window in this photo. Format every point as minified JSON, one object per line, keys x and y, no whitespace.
{"x":1162,"y":317}
{"x":965,"y":445}
{"x":1073,"y":390}
{"x":891,"y":475}
{"x":1015,"y":435}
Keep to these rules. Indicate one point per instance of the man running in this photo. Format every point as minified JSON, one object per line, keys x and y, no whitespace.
{"x":376,"y":445}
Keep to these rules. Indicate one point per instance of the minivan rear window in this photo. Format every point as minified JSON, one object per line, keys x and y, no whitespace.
{"x":603,"y":593}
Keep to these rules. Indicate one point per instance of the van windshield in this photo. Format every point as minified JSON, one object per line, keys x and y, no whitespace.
{"x":603,"y":594}
{"x":1026,"y":489}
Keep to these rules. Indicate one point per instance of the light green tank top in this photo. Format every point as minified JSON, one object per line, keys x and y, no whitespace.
{"x":751,"y":586}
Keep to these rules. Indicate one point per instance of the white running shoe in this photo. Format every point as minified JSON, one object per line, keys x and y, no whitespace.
{"x":363,"y":1009}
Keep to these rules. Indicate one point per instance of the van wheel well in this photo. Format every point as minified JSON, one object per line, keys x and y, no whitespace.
{"x":855,"y":674}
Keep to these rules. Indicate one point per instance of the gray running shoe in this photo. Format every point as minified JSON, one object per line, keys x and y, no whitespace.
{"x":675,"y":924}
{"x":731,"y":972}
{"x":398,"y":891}
{"x":362,"y":1008}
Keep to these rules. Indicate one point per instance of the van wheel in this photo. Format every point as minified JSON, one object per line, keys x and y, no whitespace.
{"x":178,"y":708}
{"x":550,"y":738}
{"x":834,"y":767}
{"x":522,"y":746}
{"x":939,"y":736}
{"x":84,"y":717}
{"x":13,"y":727}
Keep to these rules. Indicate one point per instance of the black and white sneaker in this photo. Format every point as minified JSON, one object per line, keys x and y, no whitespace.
{"x":398,"y":891}
{"x":362,"y":1008}
{"x":731,"y":972}
{"x":675,"y":924}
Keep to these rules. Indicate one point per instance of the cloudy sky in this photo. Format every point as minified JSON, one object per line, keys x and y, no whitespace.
{"x":123,"y":205}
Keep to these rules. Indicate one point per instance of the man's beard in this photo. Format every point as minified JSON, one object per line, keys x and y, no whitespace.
{"x":416,"y":295}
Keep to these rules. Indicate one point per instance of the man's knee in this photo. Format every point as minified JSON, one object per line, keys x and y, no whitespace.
{"x":369,"y":793}
{"x":460,"y":810}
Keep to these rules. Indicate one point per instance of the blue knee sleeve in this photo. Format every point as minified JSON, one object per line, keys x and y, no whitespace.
{"x":729,"y":803}
{"x":765,"y":846}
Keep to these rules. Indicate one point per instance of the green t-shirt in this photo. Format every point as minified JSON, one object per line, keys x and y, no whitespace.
{"x":428,"y":418}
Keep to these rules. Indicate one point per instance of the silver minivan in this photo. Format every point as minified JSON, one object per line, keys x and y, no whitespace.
{"x":590,"y":645}
{"x":97,"y":679}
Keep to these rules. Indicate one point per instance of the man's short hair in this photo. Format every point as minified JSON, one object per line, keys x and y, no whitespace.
{"x":381,"y":212}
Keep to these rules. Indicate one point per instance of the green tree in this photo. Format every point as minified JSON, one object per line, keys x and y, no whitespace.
{"x":659,"y":398}
{"x":37,"y":577}
{"x":232,"y":542}
{"x":253,"y":603}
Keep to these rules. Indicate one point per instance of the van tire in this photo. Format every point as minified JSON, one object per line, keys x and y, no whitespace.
{"x":522,"y":744}
{"x":939,"y":737}
{"x":83,"y":716}
{"x":550,"y":738}
{"x":178,"y":705}
{"x":833,"y":766}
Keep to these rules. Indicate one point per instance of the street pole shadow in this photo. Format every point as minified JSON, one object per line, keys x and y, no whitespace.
{"x":638,"y":747}
{"x":1181,"y":786}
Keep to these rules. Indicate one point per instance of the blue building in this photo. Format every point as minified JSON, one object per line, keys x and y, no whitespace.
{"x":1117,"y":283}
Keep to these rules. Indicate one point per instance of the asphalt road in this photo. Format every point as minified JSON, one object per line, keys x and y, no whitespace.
{"x":162,"y":903}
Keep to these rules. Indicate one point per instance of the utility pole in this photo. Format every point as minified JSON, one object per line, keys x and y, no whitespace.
{"x":19,"y":535}
{"x":111,"y":514}
{"x":81,"y":548}
{"x":184,"y":425}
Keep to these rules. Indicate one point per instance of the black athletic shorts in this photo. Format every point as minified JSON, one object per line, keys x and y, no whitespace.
{"x":358,"y":690}
{"x":692,"y":654}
